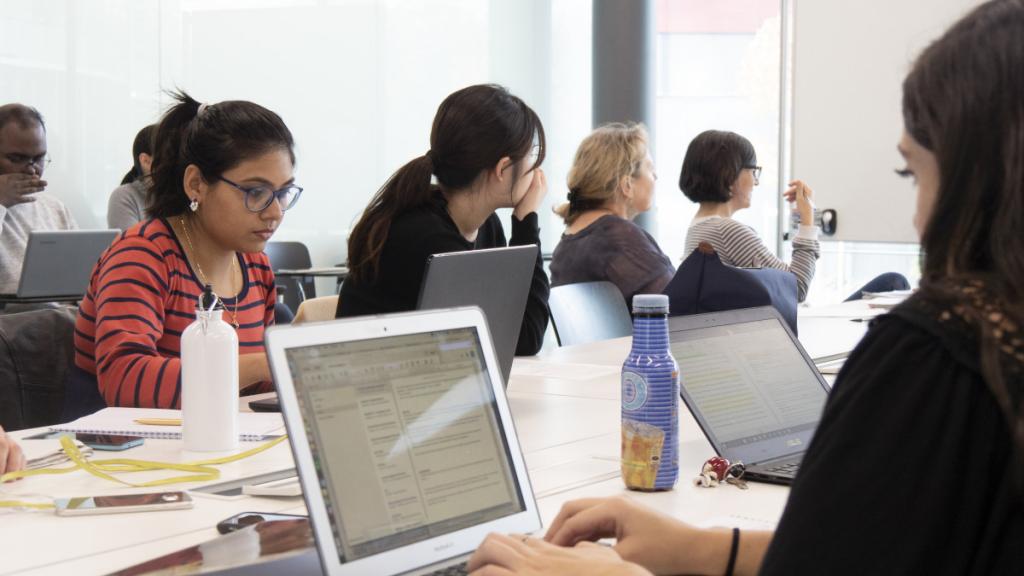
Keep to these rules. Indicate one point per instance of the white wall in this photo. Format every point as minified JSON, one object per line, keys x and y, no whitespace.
{"x":849,"y":62}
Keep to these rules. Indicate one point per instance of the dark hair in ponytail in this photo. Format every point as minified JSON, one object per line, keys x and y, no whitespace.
{"x":216,"y":140}
{"x":473,"y":129}
{"x":143,"y":144}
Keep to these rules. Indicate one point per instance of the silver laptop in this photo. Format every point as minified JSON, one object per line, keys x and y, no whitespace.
{"x":751,"y":387}
{"x":402,"y":439}
{"x":495,"y":279}
{"x":58,"y":263}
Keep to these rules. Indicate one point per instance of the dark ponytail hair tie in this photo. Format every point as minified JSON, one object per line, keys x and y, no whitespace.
{"x":574,"y":199}
{"x":432,"y":157}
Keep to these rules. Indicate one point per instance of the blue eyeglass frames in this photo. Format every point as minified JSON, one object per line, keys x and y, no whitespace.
{"x":258,"y":198}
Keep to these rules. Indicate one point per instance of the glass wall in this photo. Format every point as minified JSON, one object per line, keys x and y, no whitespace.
{"x":717,"y":68}
{"x":92,"y":70}
{"x":358,"y":82}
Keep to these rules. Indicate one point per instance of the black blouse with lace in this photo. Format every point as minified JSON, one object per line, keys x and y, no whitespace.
{"x":910,"y":470}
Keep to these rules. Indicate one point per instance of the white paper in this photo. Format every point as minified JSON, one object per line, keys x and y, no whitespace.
{"x":251,"y":425}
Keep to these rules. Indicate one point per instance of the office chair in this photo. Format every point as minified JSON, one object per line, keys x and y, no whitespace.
{"x":588,"y":311}
{"x":36,"y":353}
{"x":291,"y":255}
{"x":320,"y":309}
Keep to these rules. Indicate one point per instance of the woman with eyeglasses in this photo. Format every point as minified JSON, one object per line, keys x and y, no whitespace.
{"x":222,"y":178}
{"x":719,"y":172}
{"x":917,"y":465}
{"x":486,"y":148}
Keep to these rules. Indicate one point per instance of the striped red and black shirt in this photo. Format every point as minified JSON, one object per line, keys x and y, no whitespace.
{"x":141,"y":297}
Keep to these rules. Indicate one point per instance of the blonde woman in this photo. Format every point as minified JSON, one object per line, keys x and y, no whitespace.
{"x":611,"y":181}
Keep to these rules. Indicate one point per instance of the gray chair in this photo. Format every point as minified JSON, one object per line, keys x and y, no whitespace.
{"x":36,"y":353}
{"x":588,"y":311}
{"x":291,"y":255}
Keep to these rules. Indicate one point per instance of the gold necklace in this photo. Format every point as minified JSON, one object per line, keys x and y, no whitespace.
{"x":202,"y":276}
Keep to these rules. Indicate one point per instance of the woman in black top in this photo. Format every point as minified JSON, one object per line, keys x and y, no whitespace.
{"x":486,"y":148}
{"x":916,"y":466}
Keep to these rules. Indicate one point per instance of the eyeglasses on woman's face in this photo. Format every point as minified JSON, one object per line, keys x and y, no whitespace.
{"x":258,"y":198}
{"x":755,"y":171}
{"x":40,"y":161}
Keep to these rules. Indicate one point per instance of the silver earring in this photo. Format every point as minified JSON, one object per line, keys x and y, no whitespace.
{"x":194,"y":204}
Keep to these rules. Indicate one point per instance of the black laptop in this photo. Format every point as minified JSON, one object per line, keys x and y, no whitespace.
{"x":751,"y":387}
{"x":497,"y":280}
{"x":58,"y":264}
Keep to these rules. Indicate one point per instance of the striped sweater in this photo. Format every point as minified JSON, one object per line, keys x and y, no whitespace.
{"x":739,"y":245}
{"x":141,"y":297}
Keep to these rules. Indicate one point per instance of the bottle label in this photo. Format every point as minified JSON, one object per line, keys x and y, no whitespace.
{"x":642,"y":445}
{"x":649,"y":438}
{"x":634,"y":391}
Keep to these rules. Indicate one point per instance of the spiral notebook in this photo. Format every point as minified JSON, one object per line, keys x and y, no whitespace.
{"x":252,"y":426}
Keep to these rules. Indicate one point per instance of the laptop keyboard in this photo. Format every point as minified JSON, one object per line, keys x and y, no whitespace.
{"x":788,"y":468}
{"x":454,"y":570}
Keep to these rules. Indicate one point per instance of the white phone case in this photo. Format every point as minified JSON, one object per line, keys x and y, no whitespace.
{"x":120,"y":503}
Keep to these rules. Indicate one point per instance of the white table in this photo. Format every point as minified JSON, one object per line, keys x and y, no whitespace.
{"x":566,"y":409}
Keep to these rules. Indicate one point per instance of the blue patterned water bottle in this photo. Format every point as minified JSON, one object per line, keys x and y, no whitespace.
{"x":650,"y":400}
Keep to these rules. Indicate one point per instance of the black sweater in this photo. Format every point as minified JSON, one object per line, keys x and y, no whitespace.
{"x":417,"y":234}
{"x":909,"y":471}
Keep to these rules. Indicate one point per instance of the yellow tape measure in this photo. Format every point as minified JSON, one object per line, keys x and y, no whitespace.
{"x":30,"y":505}
{"x":200,"y":471}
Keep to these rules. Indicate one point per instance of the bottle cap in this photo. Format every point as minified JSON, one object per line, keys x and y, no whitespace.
{"x":650,"y":303}
{"x":208,"y":300}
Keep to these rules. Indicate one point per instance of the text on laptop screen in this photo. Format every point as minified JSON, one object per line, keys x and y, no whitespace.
{"x":748,"y":380}
{"x":406,"y":438}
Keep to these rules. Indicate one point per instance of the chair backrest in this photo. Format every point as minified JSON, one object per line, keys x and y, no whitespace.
{"x":317,"y":310}
{"x":704,"y":284}
{"x":36,"y":351}
{"x":588,"y":311}
{"x":291,"y":255}
{"x":782,"y":291}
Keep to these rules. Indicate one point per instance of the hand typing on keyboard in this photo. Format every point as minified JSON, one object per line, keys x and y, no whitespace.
{"x":524,"y":555}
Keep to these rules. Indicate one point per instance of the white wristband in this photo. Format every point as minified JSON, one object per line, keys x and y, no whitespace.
{"x":807,"y":232}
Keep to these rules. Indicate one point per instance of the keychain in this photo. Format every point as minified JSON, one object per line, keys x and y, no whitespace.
{"x":717,"y":470}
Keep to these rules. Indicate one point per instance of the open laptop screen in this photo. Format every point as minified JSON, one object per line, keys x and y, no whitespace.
{"x":406,"y":438}
{"x":756,"y":396}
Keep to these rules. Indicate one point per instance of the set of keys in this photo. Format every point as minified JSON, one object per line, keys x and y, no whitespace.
{"x":717,"y":470}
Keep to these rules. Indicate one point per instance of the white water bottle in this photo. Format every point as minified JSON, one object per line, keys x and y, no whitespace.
{"x":209,"y":379}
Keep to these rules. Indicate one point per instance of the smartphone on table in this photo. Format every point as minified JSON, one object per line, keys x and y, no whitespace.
{"x":239,"y":521}
{"x":118,"y":503}
{"x":109,"y":441}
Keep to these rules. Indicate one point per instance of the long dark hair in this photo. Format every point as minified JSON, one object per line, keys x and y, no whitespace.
{"x":215,"y":140}
{"x":473,"y":129}
{"x":713,"y":161}
{"x":964,"y":101}
{"x":143,"y":144}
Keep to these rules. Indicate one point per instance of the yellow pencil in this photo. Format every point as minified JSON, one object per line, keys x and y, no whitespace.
{"x":159,"y":421}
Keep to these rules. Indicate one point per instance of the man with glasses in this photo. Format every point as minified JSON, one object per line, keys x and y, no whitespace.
{"x":23,"y":205}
